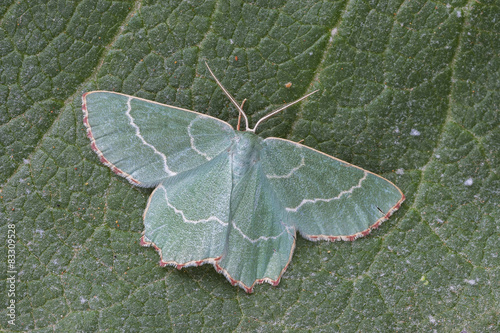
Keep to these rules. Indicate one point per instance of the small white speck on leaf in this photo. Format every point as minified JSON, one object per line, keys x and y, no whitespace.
{"x":400,"y":171}
{"x":459,"y":13}
{"x":439,"y":220}
{"x":333,"y":33}
{"x":396,"y":130}
{"x":468,"y":182}
{"x":471,"y":282}
{"x":310,"y":53}
{"x":26,"y":161}
{"x":414,"y":132}
{"x":438,"y":156}
{"x":432,"y":319}
{"x":231,"y":41}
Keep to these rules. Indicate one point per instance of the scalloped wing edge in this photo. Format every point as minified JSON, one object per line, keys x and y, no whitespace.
{"x":274,"y":283}
{"x":218,"y":268}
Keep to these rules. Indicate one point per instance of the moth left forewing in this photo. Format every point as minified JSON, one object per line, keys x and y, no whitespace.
{"x":146,"y":141}
{"x":327,"y":198}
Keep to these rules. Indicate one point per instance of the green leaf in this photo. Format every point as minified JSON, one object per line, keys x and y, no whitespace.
{"x":408,"y":90}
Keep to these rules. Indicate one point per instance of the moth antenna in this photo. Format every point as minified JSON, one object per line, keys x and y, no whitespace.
{"x":239,"y":114}
{"x":280,"y":109}
{"x":231,"y":98}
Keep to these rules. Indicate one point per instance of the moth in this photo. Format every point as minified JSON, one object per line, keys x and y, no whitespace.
{"x":228,"y":197}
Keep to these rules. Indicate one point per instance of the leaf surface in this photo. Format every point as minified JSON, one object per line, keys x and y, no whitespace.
{"x":408,"y":90}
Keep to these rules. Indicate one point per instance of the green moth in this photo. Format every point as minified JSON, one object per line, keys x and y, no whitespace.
{"x":228,"y":197}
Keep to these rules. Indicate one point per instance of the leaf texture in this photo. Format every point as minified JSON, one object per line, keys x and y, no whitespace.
{"x":408,"y":90}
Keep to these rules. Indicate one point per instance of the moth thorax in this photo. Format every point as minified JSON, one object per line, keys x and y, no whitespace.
{"x":245,"y":153}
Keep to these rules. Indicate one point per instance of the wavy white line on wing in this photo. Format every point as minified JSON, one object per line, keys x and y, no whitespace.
{"x":349,"y":191}
{"x":193,"y":147}
{"x":257,"y":239}
{"x":181,"y":213}
{"x":288,"y":175}
{"x":139,"y":135}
